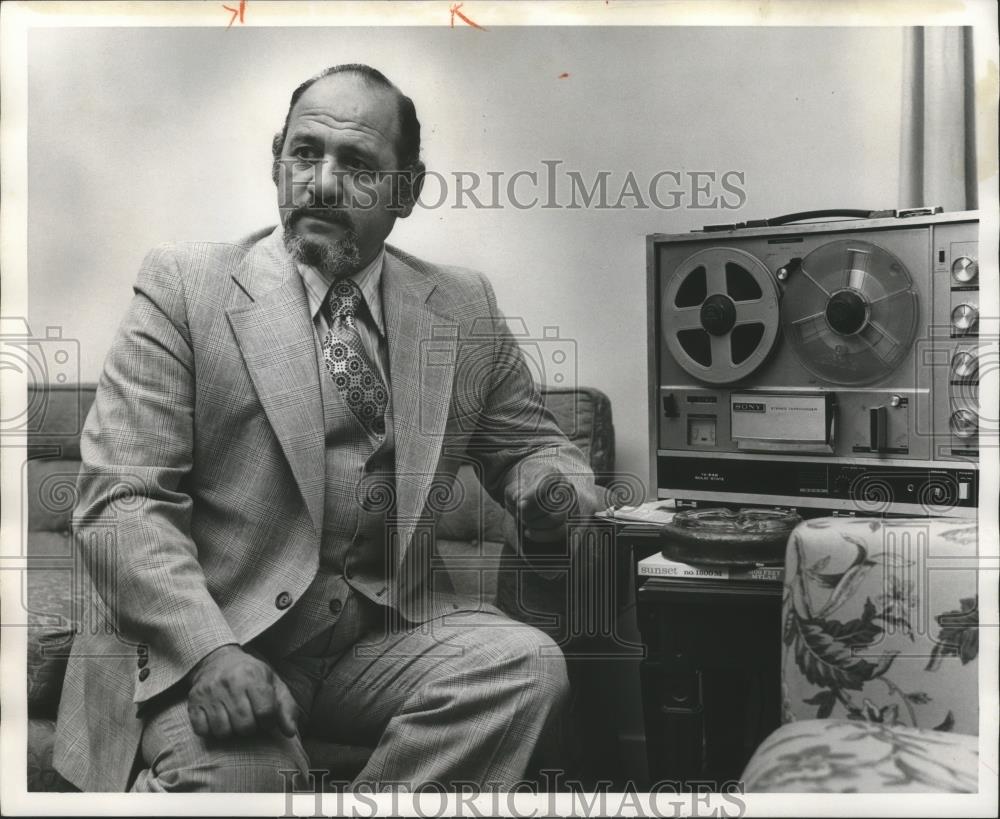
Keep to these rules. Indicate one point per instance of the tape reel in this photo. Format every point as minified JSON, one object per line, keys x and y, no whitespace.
{"x":720,"y":314}
{"x":850,"y":312}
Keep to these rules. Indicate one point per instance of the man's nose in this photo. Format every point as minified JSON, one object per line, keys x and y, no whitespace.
{"x":328,"y":184}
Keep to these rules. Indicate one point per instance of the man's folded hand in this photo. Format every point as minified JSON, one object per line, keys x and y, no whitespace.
{"x":235,"y":694}
{"x":543,"y":506}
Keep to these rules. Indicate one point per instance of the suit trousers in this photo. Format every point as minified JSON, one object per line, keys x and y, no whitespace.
{"x":463,"y":698}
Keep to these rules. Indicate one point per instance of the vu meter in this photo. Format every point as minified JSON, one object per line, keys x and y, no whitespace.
{"x":701,"y":430}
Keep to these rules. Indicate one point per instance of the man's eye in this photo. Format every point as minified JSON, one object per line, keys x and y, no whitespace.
{"x":305,"y":152}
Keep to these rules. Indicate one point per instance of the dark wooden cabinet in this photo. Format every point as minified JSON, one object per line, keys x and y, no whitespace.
{"x":711,"y":676}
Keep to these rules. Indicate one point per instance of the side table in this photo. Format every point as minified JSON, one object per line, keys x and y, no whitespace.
{"x":711,"y":676}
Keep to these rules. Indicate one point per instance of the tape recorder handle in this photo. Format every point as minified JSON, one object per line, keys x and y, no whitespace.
{"x":802,"y":216}
{"x":829,"y":213}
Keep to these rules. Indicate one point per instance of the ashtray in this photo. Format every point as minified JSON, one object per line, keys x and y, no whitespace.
{"x":724,"y":537}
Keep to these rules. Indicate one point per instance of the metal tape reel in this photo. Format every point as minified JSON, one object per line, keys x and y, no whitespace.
{"x":850,"y":312}
{"x":720,"y":314}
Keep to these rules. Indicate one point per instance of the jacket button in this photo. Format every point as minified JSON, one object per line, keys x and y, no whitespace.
{"x":336,"y":606}
{"x":283,"y":600}
{"x":141,"y":662}
{"x":143,"y":674}
{"x":142,"y":651}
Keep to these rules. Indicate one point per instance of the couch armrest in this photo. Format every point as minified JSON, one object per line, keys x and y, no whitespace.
{"x":880,"y":622}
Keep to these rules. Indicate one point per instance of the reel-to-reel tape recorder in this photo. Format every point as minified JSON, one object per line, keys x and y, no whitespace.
{"x":827,"y":367}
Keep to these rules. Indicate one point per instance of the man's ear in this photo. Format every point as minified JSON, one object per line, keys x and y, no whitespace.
{"x":277,"y":143}
{"x":410,"y":184}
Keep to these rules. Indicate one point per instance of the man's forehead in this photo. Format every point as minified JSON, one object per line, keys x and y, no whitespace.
{"x":349,"y":98}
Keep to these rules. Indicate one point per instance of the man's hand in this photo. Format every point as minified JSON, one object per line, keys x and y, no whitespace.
{"x":235,"y":694}
{"x":542,"y":505}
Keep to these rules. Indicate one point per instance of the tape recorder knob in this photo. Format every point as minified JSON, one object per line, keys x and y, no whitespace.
{"x":964,"y":317}
{"x":965,"y":364}
{"x":964,"y":269}
{"x":964,"y":423}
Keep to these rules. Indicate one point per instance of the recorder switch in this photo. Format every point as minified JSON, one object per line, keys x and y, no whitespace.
{"x":670,"y":406}
{"x":878,"y":419}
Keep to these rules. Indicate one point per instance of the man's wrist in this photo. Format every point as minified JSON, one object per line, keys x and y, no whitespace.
{"x":214,"y":654}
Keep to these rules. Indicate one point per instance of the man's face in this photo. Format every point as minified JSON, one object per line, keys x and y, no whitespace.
{"x":335,"y":209}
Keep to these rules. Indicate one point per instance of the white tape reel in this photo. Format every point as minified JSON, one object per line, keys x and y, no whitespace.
{"x":720,"y":314}
{"x":850,"y":312}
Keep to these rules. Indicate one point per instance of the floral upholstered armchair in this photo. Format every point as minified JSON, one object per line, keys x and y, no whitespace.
{"x":879,"y":666}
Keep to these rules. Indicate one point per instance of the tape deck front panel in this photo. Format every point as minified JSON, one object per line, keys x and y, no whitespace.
{"x":828,"y":366}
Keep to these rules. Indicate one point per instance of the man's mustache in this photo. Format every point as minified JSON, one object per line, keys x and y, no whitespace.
{"x":334,"y":216}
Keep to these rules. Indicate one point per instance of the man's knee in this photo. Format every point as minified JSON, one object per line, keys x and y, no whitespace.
{"x":533,"y":661}
{"x":178,"y":760}
{"x":259,"y":768}
{"x":553,"y":680}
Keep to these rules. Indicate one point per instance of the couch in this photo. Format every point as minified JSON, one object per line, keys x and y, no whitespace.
{"x":880,"y":638}
{"x":470,"y":539}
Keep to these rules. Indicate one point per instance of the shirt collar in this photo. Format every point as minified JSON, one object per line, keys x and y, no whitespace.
{"x":368,"y":280}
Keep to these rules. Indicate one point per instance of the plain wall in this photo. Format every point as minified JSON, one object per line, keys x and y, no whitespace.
{"x":140,"y":136}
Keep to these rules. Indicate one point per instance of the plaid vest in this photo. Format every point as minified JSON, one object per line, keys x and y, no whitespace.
{"x":360,"y":499}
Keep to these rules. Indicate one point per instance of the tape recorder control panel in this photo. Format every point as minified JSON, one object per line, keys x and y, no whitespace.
{"x":828,"y":366}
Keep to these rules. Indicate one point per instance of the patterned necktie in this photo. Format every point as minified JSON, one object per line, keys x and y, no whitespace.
{"x":358,"y":381}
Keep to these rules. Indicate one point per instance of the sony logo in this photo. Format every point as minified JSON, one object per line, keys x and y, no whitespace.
{"x":749,"y":406}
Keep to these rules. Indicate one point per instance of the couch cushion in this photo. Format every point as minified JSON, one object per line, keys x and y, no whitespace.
{"x":57,"y":413}
{"x":584,"y":416}
{"x":42,"y":776}
{"x":48,"y":652}
{"x":51,"y":487}
{"x":848,"y":756}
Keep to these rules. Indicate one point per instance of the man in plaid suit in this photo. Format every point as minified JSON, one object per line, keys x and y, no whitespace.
{"x":272,"y":419}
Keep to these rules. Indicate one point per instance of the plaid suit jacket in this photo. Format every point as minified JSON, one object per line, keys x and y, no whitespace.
{"x":202,"y":481}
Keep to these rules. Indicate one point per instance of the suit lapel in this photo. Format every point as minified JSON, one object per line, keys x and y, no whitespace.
{"x":276,"y":337}
{"x":422,"y":350}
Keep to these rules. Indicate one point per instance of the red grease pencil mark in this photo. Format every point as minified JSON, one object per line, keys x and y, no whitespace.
{"x":564,"y":75}
{"x":236,"y":12}
{"x":455,"y":12}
